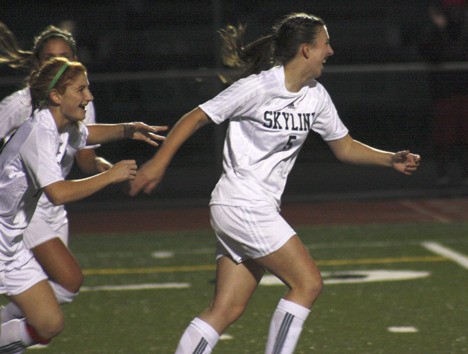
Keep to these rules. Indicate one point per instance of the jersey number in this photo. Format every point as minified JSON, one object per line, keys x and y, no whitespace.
{"x":291,"y":139}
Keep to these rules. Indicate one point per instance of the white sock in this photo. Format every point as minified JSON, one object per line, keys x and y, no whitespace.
{"x":14,"y":337}
{"x":285,"y":327}
{"x":63,"y":295}
{"x":11,"y":311}
{"x":198,"y":338}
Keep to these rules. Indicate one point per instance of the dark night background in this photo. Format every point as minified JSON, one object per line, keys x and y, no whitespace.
{"x":155,"y":60}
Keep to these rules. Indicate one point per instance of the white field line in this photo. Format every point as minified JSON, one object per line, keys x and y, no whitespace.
{"x":135,"y":287}
{"x":315,"y":246}
{"x":402,"y":329}
{"x":344,"y":277}
{"x":448,"y":253}
{"x":417,"y":207}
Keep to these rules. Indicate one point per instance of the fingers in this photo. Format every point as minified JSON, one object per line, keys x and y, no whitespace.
{"x":412,"y":163}
{"x":149,"y":138}
{"x":140,"y":183}
{"x":143,"y":127}
{"x":158,"y":128}
{"x":124,"y":170}
{"x":157,"y":137}
{"x":149,"y":187}
{"x":135,"y":188}
{"x":131,"y":169}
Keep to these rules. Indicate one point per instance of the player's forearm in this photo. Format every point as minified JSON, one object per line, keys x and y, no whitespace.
{"x":361,"y":154}
{"x":63,"y":192}
{"x":354,"y":152}
{"x":103,"y":133}
{"x":181,"y":132}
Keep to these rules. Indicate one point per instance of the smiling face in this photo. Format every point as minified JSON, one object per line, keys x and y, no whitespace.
{"x":75,"y":98}
{"x":55,"y":47}
{"x":319,"y":52}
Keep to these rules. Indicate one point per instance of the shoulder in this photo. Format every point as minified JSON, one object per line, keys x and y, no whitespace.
{"x":20,"y":98}
{"x":17,"y":96}
{"x":318,"y":90}
{"x":257,"y":85}
{"x":43,"y":120}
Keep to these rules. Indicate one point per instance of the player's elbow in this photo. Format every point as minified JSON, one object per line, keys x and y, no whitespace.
{"x":56,"y":199}
{"x":56,"y":194}
{"x":342,"y":156}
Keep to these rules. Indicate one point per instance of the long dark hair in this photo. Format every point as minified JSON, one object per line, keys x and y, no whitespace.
{"x":15,"y":57}
{"x":278,"y":47}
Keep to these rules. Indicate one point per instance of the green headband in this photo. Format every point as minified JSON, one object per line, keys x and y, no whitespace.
{"x":55,"y":79}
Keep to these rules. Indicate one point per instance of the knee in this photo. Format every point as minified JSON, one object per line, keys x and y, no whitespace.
{"x":47,"y":328}
{"x":73,"y":281}
{"x":312,"y":285}
{"x":317,"y":286}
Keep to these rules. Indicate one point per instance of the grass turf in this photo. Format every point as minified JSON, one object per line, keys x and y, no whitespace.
{"x":347,"y":318}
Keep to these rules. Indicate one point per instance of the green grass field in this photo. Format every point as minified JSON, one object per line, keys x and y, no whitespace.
{"x":429,"y":313}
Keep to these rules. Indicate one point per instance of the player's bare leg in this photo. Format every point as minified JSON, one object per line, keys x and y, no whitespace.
{"x":61,"y":267}
{"x":43,"y":319}
{"x":293,"y":264}
{"x":59,"y":264}
{"x":235,"y":284}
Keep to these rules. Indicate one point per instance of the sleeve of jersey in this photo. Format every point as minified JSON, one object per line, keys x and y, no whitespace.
{"x":39,"y":154}
{"x":235,"y":101}
{"x":327,"y":122}
{"x":90,"y":118}
{"x":13,"y":112}
{"x":78,"y":134}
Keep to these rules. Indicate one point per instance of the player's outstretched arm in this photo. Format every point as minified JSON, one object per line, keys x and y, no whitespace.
{"x":152,"y":172}
{"x":103,"y":133}
{"x":354,"y":152}
{"x":66,"y":191}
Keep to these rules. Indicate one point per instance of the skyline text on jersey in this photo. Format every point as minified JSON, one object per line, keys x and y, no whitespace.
{"x":288,"y":121}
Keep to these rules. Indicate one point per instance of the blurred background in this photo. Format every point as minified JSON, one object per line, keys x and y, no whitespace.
{"x":155,"y":60}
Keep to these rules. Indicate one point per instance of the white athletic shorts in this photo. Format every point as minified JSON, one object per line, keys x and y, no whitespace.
{"x":20,"y":274}
{"x":44,"y":227}
{"x":248,"y":233}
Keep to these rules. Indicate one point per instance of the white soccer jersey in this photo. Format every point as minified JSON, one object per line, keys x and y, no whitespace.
{"x":14,"y":110}
{"x":28,"y":162}
{"x":267,"y":127}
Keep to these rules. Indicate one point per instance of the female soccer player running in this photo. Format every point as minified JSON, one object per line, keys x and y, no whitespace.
{"x":270,"y":114}
{"x":30,"y":166}
{"x":47,"y":232}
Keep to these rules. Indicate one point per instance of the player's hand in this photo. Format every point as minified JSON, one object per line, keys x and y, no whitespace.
{"x":124,"y":170}
{"x":147,"y":178}
{"x":142,"y":131}
{"x":406,"y":162}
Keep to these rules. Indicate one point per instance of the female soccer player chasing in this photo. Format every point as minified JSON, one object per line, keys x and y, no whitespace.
{"x":270,"y":114}
{"x":47,"y":233}
{"x":30,"y":165}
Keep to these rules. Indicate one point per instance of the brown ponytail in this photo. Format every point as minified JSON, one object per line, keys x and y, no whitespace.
{"x":279,"y":47}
